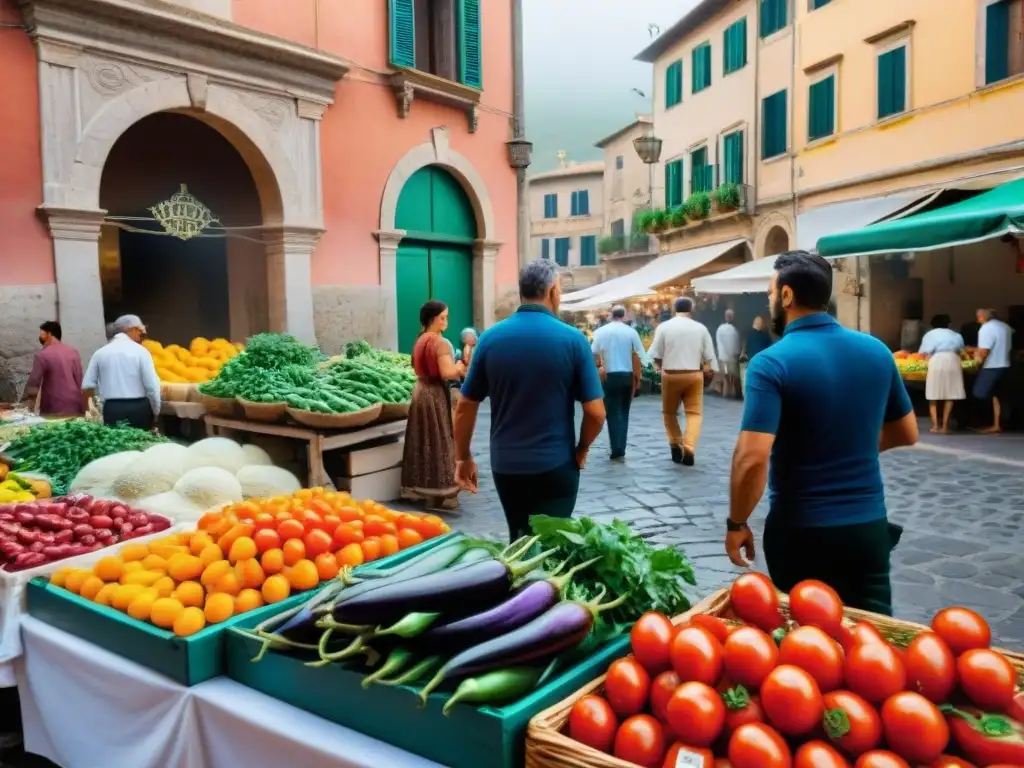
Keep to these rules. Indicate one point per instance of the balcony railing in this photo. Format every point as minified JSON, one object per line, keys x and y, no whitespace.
{"x":626,"y":244}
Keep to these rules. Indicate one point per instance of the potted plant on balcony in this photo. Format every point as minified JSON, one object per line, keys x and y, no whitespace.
{"x":610,"y":244}
{"x":675,"y":217}
{"x":697,"y":206}
{"x":726,"y":197}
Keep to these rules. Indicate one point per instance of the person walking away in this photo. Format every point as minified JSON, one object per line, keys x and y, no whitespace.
{"x":614,"y":346}
{"x":994,"y":343}
{"x":428,"y":462}
{"x":469,"y":338}
{"x":534,"y":368}
{"x":123,"y":378}
{"x":56,"y":378}
{"x":727,"y":339}
{"x":758,"y":340}
{"x":945,"y":381}
{"x":822,"y":402}
{"x":683,"y":353}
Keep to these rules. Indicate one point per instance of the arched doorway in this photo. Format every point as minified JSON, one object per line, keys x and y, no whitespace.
{"x":435,"y":257}
{"x":213,"y":285}
{"x":776,"y":242}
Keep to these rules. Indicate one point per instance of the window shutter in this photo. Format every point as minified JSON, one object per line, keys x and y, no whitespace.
{"x":706,"y":56}
{"x":734,"y":158}
{"x":470,"y":65}
{"x":997,"y":41}
{"x":668,"y":185}
{"x":588,"y":251}
{"x":822,"y":109}
{"x":773,"y":125}
{"x":734,"y":56}
{"x":584,"y":202}
{"x":574,"y":207}
{"x":402,"y":22}
{"x":892,"y":82}
{"x":673,"y":183}
{"x":545,"y":249}
{"x":816,"y":4}
{"x":773,"y":16}
{"x":673,"y":84}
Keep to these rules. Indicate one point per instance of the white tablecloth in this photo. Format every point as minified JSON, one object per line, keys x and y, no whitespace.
{"x":84,"y":707}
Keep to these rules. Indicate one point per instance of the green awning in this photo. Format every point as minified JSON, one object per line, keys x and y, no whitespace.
{"x":983,"y":217}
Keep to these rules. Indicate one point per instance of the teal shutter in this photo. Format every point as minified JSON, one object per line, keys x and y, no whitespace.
{"x":545,"y":249}
{"x":584,"y":202}
{"x":821,"y":109}
{"x":551,"y":206}
{"x":673,"y":84}
{"x":892,"y":82}
{"x":997,"y":41}
{"x":773,"y":125}
{"x":816,"y":4}
{"x":562,"y":251}
{"x":588,"y":251}
{"x":574,"y":208}
{"x":402,"y":27}
{"x":699,"y":171}
{"x":470,"y":65}
{"x":734,"y":158}
{"x":700,"y":63}
{"x":773,"y":16}
{"x":734,"y":54}
{"x":673,"y":183}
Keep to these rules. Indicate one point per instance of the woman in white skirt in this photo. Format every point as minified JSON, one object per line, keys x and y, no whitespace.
{"x":945,"y":382}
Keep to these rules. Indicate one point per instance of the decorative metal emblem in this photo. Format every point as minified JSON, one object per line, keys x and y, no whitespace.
{"x":182,"y":216}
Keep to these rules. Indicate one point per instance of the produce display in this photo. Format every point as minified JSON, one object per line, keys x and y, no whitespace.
{"x":916,"y":363}
{"x":198,"y":363}
{"x":755,"y":690}
{"x":36,"y":533}
{"x":278,"y":369}
{"x":15,"y":487}
{"x":61,"y":449}
{"x":485,"y":623}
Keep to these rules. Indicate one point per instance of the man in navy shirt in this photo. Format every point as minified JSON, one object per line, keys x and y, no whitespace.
{"x":822,"y":403}
{"x":535,"y":368}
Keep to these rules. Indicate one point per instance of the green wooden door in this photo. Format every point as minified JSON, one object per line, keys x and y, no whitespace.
{"x":413,"y":288}
{"x":451,"y":281}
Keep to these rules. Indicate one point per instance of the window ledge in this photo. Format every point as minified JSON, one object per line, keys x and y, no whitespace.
{"x":776,"y":158}
{"x":823,"y":141}
{"x":410,"y":84}
{"x":890,"y":120}
{"x":893,"y":31}
{"x":823,"y":64}
{"x":1006,"y":82}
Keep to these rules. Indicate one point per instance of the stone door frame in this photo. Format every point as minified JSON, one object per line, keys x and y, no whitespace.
{"x":106,"y":64}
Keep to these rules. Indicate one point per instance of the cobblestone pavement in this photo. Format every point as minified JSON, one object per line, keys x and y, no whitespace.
{"x":963,"y":541}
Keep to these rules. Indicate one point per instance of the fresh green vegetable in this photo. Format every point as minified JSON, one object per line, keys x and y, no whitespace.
{"x":495,"y":687}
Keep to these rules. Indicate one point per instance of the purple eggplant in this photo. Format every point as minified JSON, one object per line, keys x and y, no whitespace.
{"x":448,"y":551}
{"x":559,"y":629}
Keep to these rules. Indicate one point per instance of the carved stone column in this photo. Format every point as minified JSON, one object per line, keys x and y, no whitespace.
{"x":485,"y":255}
{"x":389,"y":239}
{"x":76,"y":259}
{"x":289,"y":280}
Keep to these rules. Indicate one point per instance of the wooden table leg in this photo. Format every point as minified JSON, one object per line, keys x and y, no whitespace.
{"x":318,"y":477}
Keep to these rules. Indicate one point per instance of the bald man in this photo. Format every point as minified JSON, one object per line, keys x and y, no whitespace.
{"x":727,"y":339}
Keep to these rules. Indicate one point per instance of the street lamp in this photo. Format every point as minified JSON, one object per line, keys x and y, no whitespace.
{"x":649,"y":149}
{"x":519,"y":153}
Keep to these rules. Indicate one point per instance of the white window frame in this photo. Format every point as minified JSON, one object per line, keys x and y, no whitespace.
{"x":882,"y":47}
{"x":823,"y":74}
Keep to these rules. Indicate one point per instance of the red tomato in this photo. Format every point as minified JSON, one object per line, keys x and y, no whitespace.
{"x":640,"y":740}
{"x":651,"y":639}
{"x":696,"y":714}
{"x":815,"y":604}
{"x":987,"y":678}
{"x":861,"y":632}
{"x":593,"y":723}
{"x":931,"y":668}
{"x":627,"y":686}
{"x":962,"y":629}
{"x":697,"y":655}
{"x":720,"y":628}
{"x":662,"y":688}
{"x":698,"y":758}
{"x":741,"y":708}
{"x":818,"y":754}
{"x":722,"y":762}
{"x":851,"y":723}
{"x":948,"y":761}
{"x":914,"y":728}
{"x":755,"y":600}
{"x":266,"y":538}
{"x":758,"y":746}
{"x":879,"y":758}
{"x":749,"y":656}
{"x":875,"y":671}
{"x":791,"y":700}
{"x":815,"y":652}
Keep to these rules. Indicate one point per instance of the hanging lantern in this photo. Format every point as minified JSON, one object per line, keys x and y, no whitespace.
{"x":182,"y":216}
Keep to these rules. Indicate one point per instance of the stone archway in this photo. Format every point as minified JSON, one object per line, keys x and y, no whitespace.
{"x":485,"y":250}
{"x":104,"y":65}
{"x":775,"y":234}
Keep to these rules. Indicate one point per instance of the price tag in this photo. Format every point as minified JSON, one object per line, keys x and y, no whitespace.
{"x":687,"y":759}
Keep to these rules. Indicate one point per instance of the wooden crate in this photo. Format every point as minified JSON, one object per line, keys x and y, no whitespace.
{"x":548,"y":746}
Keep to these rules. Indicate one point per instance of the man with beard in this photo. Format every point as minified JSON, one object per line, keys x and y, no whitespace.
{"x":821,"y":403}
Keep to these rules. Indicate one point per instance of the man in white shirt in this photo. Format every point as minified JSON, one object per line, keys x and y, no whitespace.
{"x":614,"y":347}
{"x":123,"y":378}
{"x":682,"y":351}
{"x":727,"y":338}
{"x":994,"y":343}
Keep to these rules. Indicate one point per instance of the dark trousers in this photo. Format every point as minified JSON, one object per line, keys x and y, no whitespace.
{"x":852,"y":559}
{"x":136,"y":412}
{"x":618,"y":396}
{"x":550,"y":493}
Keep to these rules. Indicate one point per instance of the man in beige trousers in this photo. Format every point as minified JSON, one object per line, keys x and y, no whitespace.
{"x":682,"y":351}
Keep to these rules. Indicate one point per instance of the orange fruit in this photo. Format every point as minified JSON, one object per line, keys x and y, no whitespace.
{"x":235,"y":532}
{"x":141,"y":607}
{"x":304,"y":493}
{"x":185,"y":567}
{"x":107,"y":568}
{"x":249,"y":573}
{"x":375,"y":525}
{"x":272,"y":561}
{"x":317,"y":542}
{"x":228,"y":583}
{"x":290,"y":529}
{"x":294,"y":550}
{"x":145,"y":578}
{"x":190,"y":593}
{"x":276,"y":588}
{"x":326,"y":566}
{"x":199,"y":542}
{"x":210,"y":554}
{"x":106,"y":595}
{"x":388,"y":544}
{"x":264,"y":521}
{"x":73,"y":581}
{"x":248,"y":600}
{"x":125,"y":594}
{"x":219,"y":607}
{"x":130,"y":552}
{"x":242,"y":548}
{"x":407,"y":537}
{"x":350,"y":555}
{"x":367,"y":504}
{"x":209,"y":519}
{"x":349,"y":513}
{"x":371,"y":549}
{"x":91,"y":587}
{"x":219,"y":528}
{"x":214,"y":571}
{"x":189,"y":621}
{"x":347,"y":533}
{"x":265,"y":539}
{"x":164,"y":611}
{"x":164,"y":586}
{"x":303,"y":575}
{"x":154,"y":563}
{"x":310,"y":520}
{"x":57,"y":579}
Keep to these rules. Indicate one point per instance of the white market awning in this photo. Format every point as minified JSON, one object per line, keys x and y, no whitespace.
{"x":752,"y":277}
{"x":816,"y":223}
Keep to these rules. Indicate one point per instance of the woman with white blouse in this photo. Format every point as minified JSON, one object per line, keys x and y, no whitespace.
{"x":945,"y":382}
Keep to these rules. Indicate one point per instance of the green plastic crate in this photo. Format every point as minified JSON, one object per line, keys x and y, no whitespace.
{"x":186,"y":660}
{"x":469,"y":737}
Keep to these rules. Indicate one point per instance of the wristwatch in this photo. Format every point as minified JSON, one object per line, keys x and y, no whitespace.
{"x":731,"y":525}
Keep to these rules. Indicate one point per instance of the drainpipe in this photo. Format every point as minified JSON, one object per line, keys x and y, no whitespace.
{"x":792,"y":119}
{"x":519,"y":132}
{"x":755,"y":140}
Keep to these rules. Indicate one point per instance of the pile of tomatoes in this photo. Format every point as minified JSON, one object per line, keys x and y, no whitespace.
{"x":755,"y":690}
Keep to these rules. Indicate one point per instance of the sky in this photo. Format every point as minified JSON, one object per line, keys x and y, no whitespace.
{"x":580,"y":71}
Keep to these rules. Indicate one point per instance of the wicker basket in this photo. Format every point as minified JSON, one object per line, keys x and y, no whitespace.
{"x":173,"y":392}
{"x":394,"y":411}
{"x":548,"y":747}
{"x":335,"y":420}
{"x":218,"y":406}
{"x":915,"y":375}
{"x":266,"y":412}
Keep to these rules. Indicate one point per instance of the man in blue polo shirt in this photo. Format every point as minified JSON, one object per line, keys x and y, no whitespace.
{"x":535,"y":368}
{"x":822,"y":403}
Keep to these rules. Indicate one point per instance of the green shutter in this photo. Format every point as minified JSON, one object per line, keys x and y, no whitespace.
{"x":673,"y":84}
{"x":734,"y":158}
{"x":892,"y":82}
{"x":699,"y":168}
{"x":816,"y":4}
{"x":562,"y":251}
{"x":402,"y":24}
{"x":700,"y":61}
{"x":588,"y":251}
{"x":734,"y":55}
{"x":773,"y":125}
{"x":821,"y":110}
{"x":673,"y":183}
{"x":773,"y":16}
{"x":470,"y":66}
{"x":997,"y":41}
{"x":545,"y":249}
